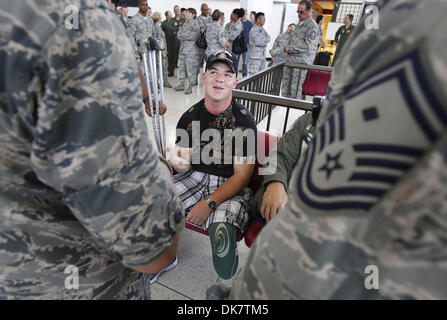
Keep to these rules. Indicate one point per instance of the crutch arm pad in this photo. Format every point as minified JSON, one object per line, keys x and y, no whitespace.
{"x":153,"y":44}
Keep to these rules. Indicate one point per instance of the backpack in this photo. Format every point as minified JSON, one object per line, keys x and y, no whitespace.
{"x":323,"y":58}
{"x":239,"y":45}
{"x":201,"y":41}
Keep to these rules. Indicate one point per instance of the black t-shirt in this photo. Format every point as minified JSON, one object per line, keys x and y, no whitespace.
{"x":233,"y":133}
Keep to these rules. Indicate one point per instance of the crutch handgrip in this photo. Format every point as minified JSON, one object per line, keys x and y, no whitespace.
{"x":143,"y":45}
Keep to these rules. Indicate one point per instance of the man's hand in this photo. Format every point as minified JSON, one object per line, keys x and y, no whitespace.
{"x":225,"y":44}
{"x":274,"y":200}
{"x":162,"y":106}
{"x":287,"y":48}
{"x":199,"y":213}
{"x":180,"y":158}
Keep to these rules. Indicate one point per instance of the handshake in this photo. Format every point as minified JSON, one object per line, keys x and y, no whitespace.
{"x":180,"y":158}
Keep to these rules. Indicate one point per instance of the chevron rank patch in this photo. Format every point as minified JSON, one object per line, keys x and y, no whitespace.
{"x":351,"y":168}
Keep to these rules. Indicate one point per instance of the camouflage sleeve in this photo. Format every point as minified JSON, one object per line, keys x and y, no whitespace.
{"x":367,"y":214}
{"x":235,"y":30}
{"x":310,"y":41}
{"x":191,"y":32}
{"x":222,"y":35}
{"x":154,"y":28}
{"x":91,"y":142}
{"x":181,"y":32}
{"x":267,"y":38}
{"x":259,"y":37}
{"x":277,"y":49}
{"x":131,"y":31}
{"x":195,"y":31}
{"x":202,"y":23}
{"x":227,"y":27}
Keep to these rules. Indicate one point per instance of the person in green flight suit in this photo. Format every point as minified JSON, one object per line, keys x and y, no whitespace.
{"x":342,"y":34}
{"x":173,"y":43}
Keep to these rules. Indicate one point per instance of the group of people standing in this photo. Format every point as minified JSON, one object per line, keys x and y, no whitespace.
{"x":178,"y":34}
{"x":88,"y":205}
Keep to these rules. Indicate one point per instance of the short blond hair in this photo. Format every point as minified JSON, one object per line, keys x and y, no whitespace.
{"x":156,"y":16}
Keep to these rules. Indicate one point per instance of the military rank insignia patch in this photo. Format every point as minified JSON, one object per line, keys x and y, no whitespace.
{"x":394,"y":115}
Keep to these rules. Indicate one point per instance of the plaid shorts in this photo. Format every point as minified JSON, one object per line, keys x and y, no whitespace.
{"x":194,"y":186}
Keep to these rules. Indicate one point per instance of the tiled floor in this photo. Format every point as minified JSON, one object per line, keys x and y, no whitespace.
{"x":194,"y":272}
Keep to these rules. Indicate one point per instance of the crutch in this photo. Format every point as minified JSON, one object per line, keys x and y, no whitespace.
{"x":154,"y":47}
{"x":144,"y":48}
{"x":162,"y":97}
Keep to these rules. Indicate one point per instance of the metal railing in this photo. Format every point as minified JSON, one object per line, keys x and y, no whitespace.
{"x":260,"y":92}
{"x":266,"y":82}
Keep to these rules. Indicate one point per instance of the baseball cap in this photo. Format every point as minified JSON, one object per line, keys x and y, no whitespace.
{"x":222,"y":56}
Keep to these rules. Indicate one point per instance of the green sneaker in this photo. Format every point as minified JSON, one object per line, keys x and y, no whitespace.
{"x":224,"y":249}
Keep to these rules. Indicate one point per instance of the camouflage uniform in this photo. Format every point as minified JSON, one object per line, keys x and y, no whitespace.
{"x":277,"y":51}
{"x":203,"y":21}
{"x":161,"y":38}
{"x":215,"y":35}
{"x":140,"y":27}
{"x":259,"y":39}
{"x":189,"y":53}
{"x":233,"y":30}
{"x":383,"y":201}
{"x":80,"y":182}
{"x":303,"y":45}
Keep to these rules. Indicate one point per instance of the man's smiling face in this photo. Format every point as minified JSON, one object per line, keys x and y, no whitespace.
{"x":219,"y":82}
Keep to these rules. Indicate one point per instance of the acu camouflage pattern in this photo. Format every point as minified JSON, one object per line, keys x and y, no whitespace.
{"x":189,"y":59}
{"x":215,"y":35}
{"x":303,"y":45}
{"x":161,"y":38}
{"x":139,"y":27}
{"x":312,"y":253}
{"x":80,"y":184}
{"x":277,"y":51}
{"x":258,"y":41}
{"x":204,"y":21}
{"x":233,"y":30}
{"x":188,"y":34}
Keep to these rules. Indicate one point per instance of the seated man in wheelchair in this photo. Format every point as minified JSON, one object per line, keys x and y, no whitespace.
{"x":214,"y":159}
